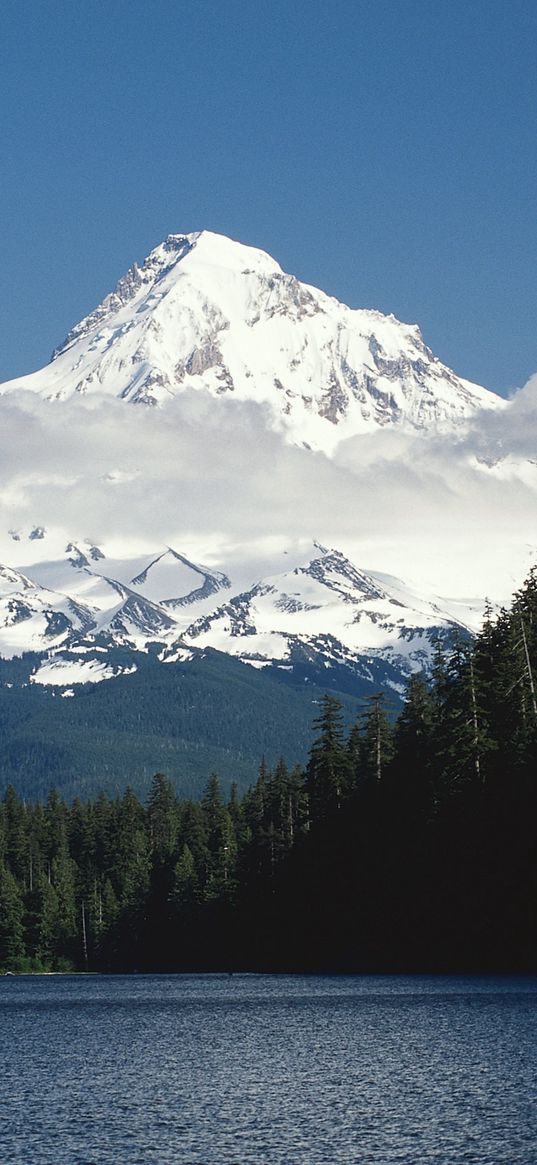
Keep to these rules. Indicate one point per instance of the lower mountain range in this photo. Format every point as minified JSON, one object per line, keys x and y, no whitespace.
{"x":160,"y":630}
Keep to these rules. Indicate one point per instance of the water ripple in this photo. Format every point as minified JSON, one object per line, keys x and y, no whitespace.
{"x":258,"y":1070}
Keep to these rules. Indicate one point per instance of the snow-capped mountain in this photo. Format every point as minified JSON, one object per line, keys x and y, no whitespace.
{"x":358,"y":435}
{"x":76,"y":608}
{"x":69,"y":595}
{"x":326,"y":611}
{"x":203,"y":312}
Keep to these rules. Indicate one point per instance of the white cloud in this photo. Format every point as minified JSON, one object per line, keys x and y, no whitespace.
{"x":211,"y":477}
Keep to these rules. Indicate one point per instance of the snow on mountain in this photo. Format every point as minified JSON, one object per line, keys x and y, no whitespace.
{"x":32,"y":618}
{"x":68,"y":595}
{"x":325,"y":609}
{"x":78,"y":608}
{"x":203,"y":312}
{"x":429,"y":489}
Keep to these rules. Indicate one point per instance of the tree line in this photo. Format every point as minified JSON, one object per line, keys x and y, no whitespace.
{"x":406,"y":845}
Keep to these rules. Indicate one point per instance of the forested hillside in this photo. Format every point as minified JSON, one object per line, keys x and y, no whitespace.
{"x":186,"y":719}
{"x":406,"y":846}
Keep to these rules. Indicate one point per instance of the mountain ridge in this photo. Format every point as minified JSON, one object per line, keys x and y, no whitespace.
{"x":77,"y":611}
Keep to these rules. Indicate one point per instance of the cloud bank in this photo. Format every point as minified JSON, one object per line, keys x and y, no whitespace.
{"x":210,"y":477}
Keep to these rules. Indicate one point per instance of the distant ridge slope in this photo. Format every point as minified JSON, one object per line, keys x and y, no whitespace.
{"x":81,"y":610}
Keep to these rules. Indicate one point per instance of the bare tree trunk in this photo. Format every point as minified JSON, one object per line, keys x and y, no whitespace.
{"x":84,"y":936}
{"x":378,"y":757}
{"x":475,"y":722}
{"x":290,"y":821}
{"x":528,"y":668}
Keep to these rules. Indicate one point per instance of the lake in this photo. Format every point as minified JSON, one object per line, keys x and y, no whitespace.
{"x":268,"y":1070}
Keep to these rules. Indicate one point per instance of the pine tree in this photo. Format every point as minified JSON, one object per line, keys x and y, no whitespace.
{"x":44,"y":943}
{"x":376,"y":747}
{"x":328,"y":771}
{"x":67,"y":932}
{"x":12,"y":947}
{"x":461,"y":739}
{"x":162,"y":818}
{"x":221,"y":843}
{"x":16,"y":848}
{"x":185,"y":891}
{"x":412,"y":769}
{"x":192,"y":832}
{"x":56,"y":819}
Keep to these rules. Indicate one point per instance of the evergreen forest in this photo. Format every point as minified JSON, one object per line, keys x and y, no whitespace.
{"x":401,"y":845}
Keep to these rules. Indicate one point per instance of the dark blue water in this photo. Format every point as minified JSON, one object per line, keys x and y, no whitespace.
{"x":205,"y":1069}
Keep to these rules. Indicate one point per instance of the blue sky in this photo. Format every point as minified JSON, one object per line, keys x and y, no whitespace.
{"x":384,"y":152}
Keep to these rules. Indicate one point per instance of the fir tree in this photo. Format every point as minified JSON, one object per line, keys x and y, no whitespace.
{"x":376,"y":744}
{"x":162,"y":818}
{"x":12,"y":948}
{"x":328,"y":770}
{"x":412,"y":769}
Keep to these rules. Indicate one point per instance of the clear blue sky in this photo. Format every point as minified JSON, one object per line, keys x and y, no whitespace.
{"x":385,"y":152}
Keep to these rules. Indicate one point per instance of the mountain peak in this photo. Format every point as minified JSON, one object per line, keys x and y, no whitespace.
{"x":219,"y":250}
{"x":205,"y":248}
{"x":203,"y":312}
